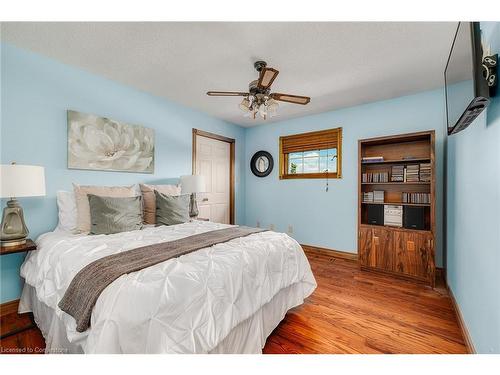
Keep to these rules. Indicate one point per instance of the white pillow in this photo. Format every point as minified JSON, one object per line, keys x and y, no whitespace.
{"x":66,"y":203}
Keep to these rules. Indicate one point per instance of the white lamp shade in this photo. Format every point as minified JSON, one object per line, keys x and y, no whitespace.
{"x":193,"y":184}
{"x":21,"y":181}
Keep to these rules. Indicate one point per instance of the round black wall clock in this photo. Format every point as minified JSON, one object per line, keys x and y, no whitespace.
{"x":262,"y":163}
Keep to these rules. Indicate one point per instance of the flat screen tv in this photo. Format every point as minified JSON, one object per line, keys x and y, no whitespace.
{"x":467,"y":93}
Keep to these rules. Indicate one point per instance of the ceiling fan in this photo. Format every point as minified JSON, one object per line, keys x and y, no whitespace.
{"x":259,"y":99}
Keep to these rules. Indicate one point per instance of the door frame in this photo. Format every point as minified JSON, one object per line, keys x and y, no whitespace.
{"x":231,"y":141}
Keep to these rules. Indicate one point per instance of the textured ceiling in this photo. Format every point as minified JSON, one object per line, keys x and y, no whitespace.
{"x":337,"y":64}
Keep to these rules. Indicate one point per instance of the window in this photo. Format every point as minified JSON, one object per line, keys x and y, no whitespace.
{"x":311,"y":155}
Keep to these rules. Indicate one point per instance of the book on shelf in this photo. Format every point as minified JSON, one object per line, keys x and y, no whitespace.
{"x":372,"y":159}
{"x":418,"y":198}
{"x":412,"y":173}
{"x":397,"y":173}
{"x":378,"y":196}
{"x":375,"y":177}
{"x":368,"y":196}
{"x":425,"y":172}
{"x":409,"y":173}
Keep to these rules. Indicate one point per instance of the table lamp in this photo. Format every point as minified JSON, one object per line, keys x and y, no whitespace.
{"x":193,"y":184}
{"x":18,"y":181}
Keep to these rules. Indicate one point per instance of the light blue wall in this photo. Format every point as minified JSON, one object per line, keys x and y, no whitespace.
{"x":473,"y":219}
{"x":36,"y":91}
{"x":330,"y":219}
{"x":35,"y":94}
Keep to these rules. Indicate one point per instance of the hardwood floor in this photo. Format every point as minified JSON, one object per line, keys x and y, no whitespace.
{"x":29,"y":341}
{"x":18,"y":333}
{"x":354,"y":311}
{"x":351,"y":311}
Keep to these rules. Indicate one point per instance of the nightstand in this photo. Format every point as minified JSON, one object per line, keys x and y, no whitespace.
{"x":28,"y":246}
{"x":13,"y":324}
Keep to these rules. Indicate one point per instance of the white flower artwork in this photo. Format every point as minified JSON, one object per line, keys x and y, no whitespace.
{"x":99,"y":143}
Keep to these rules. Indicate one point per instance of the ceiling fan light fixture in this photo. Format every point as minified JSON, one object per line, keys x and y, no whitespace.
{"x":272,"y":107}
{"x":263,"y":111}
{"x":259,"y":99}
{"x":245,"y":105}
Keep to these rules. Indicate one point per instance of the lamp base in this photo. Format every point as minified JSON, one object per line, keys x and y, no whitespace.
{"x":193,"y":206}
{"x":13,"y":230}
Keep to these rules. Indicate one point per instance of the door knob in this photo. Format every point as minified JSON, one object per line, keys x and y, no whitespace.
{"x":204,"y":200}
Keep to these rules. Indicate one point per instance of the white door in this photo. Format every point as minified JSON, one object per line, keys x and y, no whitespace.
{"x":213,"y":158}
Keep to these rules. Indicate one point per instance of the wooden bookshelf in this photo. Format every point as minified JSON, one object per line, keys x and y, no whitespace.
{"x":398,"y":251}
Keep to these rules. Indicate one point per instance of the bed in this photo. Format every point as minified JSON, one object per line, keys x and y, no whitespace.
{"x":227,"y":298}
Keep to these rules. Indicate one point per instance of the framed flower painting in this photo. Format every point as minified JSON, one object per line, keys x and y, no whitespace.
{"x":99,"y":143}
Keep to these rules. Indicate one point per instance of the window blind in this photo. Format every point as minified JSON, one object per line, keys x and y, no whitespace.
{"x":319,"y":140}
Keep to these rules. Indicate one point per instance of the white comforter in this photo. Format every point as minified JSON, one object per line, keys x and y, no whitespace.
{"x":184,"y":305}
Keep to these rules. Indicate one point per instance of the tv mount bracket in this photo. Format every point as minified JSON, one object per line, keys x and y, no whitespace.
{"x":490,"y":64}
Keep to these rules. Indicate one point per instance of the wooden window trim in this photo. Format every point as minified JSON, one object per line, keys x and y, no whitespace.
{"x":283,"y":162}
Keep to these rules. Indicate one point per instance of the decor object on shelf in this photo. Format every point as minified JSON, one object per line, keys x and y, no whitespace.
{"x":414,"y":217}
{"x":259,"y":99}
{"x":262,"y":163}
{"x":99,"y":143}
{"x":393,"y":215}
{"x":375,"y":214}
{"x":372,"y":159}
{"x":18,"y":181}
{"x":192,"y":184}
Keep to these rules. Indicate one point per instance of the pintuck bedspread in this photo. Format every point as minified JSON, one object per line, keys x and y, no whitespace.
{"x":188,"y":304}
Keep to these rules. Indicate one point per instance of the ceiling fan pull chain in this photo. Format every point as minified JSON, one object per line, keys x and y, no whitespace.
{"x":326,"y":172}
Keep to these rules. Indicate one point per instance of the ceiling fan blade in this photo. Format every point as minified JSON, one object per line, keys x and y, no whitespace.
{"x":296,"y":99}
{"x":266,"y":77}
{"x":227,"y":93}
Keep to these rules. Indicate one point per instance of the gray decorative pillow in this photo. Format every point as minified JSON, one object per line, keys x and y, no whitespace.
{"x":110,"y":215}
{"x":171,"y":210}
